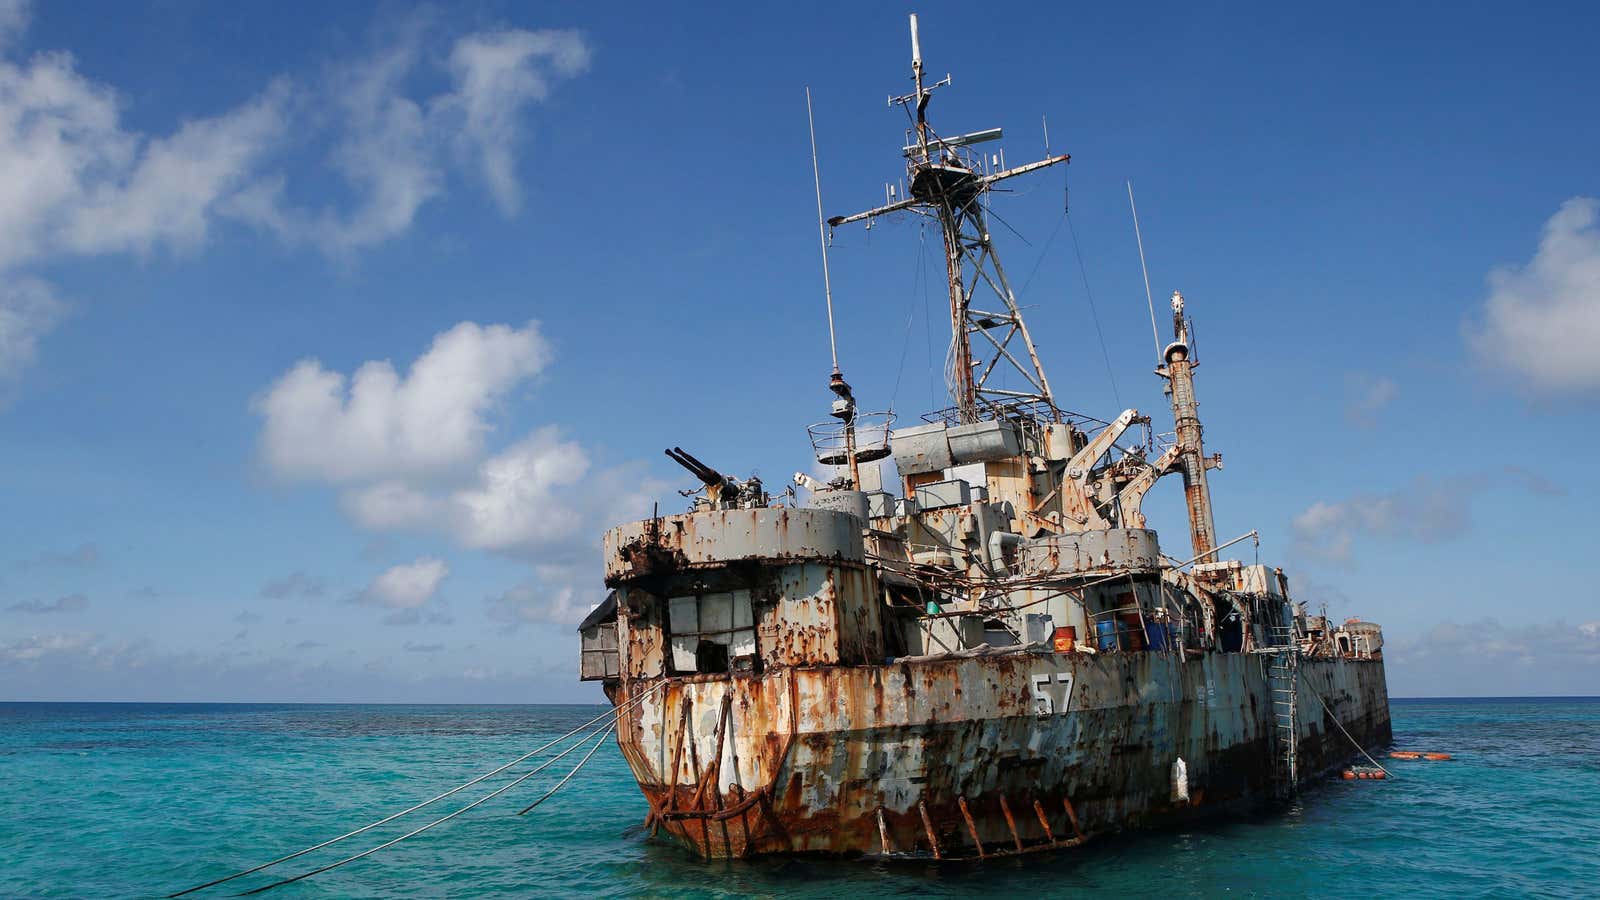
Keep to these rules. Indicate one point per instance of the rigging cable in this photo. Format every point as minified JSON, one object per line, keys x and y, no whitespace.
{"x":1094,"y":314}
{"x":1154,"y":334}
{"x":905,"y":348}
{"x":613,"y":714}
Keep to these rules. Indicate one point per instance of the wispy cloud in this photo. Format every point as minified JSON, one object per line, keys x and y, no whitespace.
{"x":1366,"y":396}
{"x":81,"y":182}
{"x":295,"y":584}
{"x":1541,"y":321}
{"x":69,"y":603}
{"x":1489,"y":658}
{"x":82,"y":556}
{"x":1428,"y":510}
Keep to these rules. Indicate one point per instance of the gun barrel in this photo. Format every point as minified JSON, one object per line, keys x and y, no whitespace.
{"x":699,"y":469}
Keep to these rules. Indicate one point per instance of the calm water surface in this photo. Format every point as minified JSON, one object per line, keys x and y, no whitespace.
{"x":144,"y":799}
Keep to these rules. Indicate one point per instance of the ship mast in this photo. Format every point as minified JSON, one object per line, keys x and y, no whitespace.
{"x":1178,"y":369}
{"x":948,"y":182}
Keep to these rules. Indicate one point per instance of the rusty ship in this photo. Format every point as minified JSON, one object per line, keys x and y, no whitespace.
{"x":967,"y":642}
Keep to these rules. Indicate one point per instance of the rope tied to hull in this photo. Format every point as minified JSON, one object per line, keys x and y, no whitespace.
{"x":1353,"y":741}
{"x":610,"y":718}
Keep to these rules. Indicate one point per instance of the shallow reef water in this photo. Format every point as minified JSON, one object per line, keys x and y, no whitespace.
{"x":131,"y":800}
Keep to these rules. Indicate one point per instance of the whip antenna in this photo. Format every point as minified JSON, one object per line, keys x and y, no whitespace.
{"x":822,"y":233}
{"x":1154,"y":334}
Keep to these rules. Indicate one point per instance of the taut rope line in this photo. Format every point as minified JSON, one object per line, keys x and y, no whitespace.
{"x":613,"y":714}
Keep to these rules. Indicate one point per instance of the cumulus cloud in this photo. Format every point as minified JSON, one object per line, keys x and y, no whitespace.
{"x":408,"y":454}
{"x":1366,"y":396}
{"x":1428,"y":510}
{"x":408,"y":585}
{"x":321,"y":425}
{"x":409,"y":451}
{"x":1541,"y":321}
{"x":518,"y":499}
{"x":77,"y":181}
{"x":69,"y":603}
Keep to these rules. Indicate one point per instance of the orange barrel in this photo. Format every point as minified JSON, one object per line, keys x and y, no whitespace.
{"x":1065,"y":638}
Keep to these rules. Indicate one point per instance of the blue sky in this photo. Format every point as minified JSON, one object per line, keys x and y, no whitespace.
{"x":332,"y":337}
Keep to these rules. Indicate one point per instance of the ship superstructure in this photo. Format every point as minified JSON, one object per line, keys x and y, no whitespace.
{"x":995,"y":656}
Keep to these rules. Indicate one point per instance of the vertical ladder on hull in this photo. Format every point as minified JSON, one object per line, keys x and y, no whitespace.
{"x":1283,"y":678}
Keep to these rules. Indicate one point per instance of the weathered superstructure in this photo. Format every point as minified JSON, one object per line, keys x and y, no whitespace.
{"x":993,"y":656}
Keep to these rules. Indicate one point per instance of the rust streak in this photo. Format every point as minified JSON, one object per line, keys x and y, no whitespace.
{"x":1044,"y":822}
{"x":971,"y":826}
{"x":1011,"y":823}
{"x":927,"y":826}
{"x":883,"y":833}
{"x":1073,"y":815}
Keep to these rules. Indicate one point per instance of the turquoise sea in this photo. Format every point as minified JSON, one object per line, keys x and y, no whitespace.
{"x":139,"y":800}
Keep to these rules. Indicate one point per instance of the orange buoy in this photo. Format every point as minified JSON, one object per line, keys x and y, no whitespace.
{"x":1436,"y":756}
{"x":1349,"y":775}
{"x":1404,"y":754}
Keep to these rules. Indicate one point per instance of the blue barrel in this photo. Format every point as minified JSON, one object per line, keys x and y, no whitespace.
{"x":1105,"y":635}
{"x":1157,"y":636}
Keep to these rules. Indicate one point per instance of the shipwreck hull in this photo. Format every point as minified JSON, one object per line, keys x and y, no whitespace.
{"x":977,"y":755}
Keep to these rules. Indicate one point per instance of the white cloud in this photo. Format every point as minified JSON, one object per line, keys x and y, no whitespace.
{"x":14,"y":16}
{"x":389,"y":506}
{"x":496,"y":75}
{"x":1541,"y":321}
{"x":408,"y":585}
{"x":1428,"y":510}
{"x":321,"y":426}
{"x":75,"y":181}
{"x":392,"y":148}
{"x":69,"y":603}
{"x":1486,"y":658}
{"x":519,"y":499}
{"x":38,"y":646}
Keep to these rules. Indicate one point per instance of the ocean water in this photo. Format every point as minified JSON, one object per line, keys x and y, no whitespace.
{"x":139,"y":800}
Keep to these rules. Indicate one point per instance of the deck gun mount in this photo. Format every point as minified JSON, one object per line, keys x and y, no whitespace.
{"x":721,"y":491}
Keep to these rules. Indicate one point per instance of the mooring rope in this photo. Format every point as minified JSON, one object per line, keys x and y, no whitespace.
{"x":612,"y":714}
{"x":551,"y":792}
{"x":1335,"y":717}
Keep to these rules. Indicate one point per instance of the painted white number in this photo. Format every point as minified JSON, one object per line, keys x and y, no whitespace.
{"x":1044,"y":703}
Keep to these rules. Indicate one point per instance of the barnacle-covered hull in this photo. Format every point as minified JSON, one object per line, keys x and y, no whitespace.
{"x":960,"y":757}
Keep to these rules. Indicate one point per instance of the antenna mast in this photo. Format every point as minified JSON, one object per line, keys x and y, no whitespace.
{"x":844,"y":408}
{"x":948,"y":182}
{"x":822,"y":234}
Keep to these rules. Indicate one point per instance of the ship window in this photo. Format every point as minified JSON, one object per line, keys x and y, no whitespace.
{"x":712,"y":632}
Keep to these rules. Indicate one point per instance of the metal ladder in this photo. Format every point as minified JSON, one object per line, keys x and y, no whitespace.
{"x":1283,"y":677}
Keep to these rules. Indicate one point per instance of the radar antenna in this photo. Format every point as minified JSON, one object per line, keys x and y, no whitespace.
{"x":949,"y":182}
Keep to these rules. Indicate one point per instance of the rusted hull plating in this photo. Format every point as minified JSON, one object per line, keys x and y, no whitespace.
{"x":976,"y":756}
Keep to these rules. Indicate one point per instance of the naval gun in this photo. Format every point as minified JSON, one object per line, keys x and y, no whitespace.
{"x":721,"y":491}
